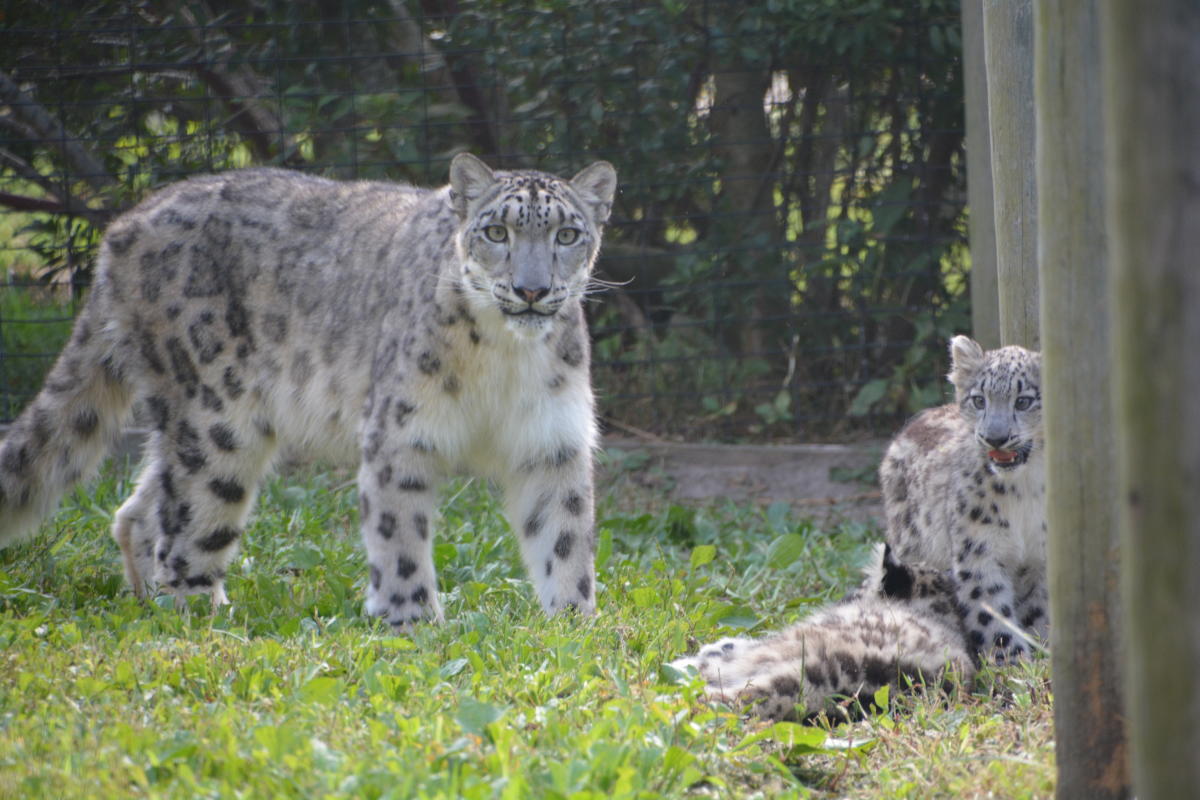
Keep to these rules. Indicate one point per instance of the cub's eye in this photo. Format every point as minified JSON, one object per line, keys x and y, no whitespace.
{"x":567,"y":236}
{"x":1023,"y":403}
{"x":496,"y":233}
{"x":978,"y":401}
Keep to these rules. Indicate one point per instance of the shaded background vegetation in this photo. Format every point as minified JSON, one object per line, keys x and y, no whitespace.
{"x":789,"y":238}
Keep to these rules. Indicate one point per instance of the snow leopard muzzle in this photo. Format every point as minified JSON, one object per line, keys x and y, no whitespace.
{"x":1009,"y":459}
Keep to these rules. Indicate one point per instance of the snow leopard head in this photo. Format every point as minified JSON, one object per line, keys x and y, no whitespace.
{"x":999,"y":392}
{"x":527,"y":240}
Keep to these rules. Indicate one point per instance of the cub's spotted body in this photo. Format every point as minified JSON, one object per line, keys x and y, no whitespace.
{"x":419,"y":332}
{"x":964,"y":490}
{"x":901,"y":627}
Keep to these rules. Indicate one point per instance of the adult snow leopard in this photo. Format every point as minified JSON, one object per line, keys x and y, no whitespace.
{"x":421,"y":332}
{"x":901,"y":626}
{"x":964,"y":489}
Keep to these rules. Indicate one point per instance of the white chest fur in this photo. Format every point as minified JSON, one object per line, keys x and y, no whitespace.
{"x":514,"y":404}
{"x":1024,"y":506}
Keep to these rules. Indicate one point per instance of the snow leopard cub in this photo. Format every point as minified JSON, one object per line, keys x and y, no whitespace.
{"x":902,"y":625}
{"x":416,"y":332}
{"x":964,"y":490}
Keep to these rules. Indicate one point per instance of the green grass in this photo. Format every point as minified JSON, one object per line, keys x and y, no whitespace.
{"x":291,"y":692}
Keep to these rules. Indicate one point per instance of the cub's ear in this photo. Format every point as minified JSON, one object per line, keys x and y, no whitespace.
{"x":469,"y":179}
{"x":897,"y":578}
{"x":597,"y":185}
{"x":1036,"y":366}
{"x":966,"y":356}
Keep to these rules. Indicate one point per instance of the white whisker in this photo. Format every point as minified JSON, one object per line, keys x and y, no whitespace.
{"x":601,"y":283}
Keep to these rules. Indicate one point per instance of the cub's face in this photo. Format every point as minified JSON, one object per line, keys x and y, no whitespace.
{"x":528,"y":240}
{"x":999,"y":393}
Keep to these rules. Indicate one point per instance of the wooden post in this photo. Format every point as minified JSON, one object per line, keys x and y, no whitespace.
{"x":985,"y":305}
{"x":1008,"y":50}
{"x":1081,"y":508}
{"x":1151,"y":85}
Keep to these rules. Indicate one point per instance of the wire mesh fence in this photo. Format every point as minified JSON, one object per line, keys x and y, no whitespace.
{"x":787,"y":248}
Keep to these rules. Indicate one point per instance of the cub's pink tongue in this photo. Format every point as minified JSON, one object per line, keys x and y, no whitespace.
{"x":1002,"y":456}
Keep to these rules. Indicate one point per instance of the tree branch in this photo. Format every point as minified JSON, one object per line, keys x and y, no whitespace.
{"x":481,"y":123}
{"x":30,"y":112}
{"x":239,"y":89}
{"x":51,"y":203}
{"x":256,"y":123}
{"x":413,"y":44}
{"x":19,"y":129}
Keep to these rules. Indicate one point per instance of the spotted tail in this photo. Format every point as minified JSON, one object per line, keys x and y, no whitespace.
{"x":64,"y":432}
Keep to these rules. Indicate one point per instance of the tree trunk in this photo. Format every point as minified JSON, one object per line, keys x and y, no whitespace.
{"x":1008,"y":47}
{"x":985,"y":304}
{"x":1081,"y":507}
{"x":471,"y":91}
{"x":748,"y":224}
{"x":1151,"y":82}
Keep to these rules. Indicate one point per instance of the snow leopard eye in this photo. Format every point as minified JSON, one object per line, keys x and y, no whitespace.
{"x":496,"y":233}
{"x":567,"y":236}
{"x":1023,"y":403}
{"x":977,"y":401}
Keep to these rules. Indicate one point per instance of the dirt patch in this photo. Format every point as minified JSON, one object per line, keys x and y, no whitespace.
{"x":832,"y":481}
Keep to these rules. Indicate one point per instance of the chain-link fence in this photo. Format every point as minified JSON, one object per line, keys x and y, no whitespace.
{"x":787,"y":247}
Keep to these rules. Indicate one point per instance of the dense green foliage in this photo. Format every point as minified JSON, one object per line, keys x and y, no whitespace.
{"x":292,"y":693}
{"x":790,"y":223}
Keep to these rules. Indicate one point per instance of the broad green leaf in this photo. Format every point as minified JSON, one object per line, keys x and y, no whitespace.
{"x":322,"y":689}
{"x":882,"y":696}
{"x":734,"y":616}
{"x":305,"y":556}
{"x":604,"y":546}
{"x":785,"y":550}
{"x":788,"y":734}
{"x":671,"y":674}
{"x":702,"y":554}
{"x":644,"y":597}
{"x":870,"y":394}
{"x":452,"y":668}
{"x":474,"y":716}
{"x":777,"y":515}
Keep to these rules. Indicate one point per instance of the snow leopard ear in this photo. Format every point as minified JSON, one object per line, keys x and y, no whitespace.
{"x":872,"y":572}
{"x":597,"y":185}
{"x":1036,"y":365}
{"x":897,"y":578}
{"x":469,"y":179}
{"x":966,"y":356}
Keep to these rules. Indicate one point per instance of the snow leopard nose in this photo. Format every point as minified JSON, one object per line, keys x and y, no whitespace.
{"x":531,"y":295}
{"x":997,"y":441}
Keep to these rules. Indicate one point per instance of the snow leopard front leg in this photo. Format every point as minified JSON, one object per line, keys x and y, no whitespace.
{"x":1033,"y":602}
{"x":988,"y":599}
{"x":397,"y":490}
{"x":551,"y":511}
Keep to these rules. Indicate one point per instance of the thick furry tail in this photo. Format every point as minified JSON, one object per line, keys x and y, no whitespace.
{"x":61,"y":436}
